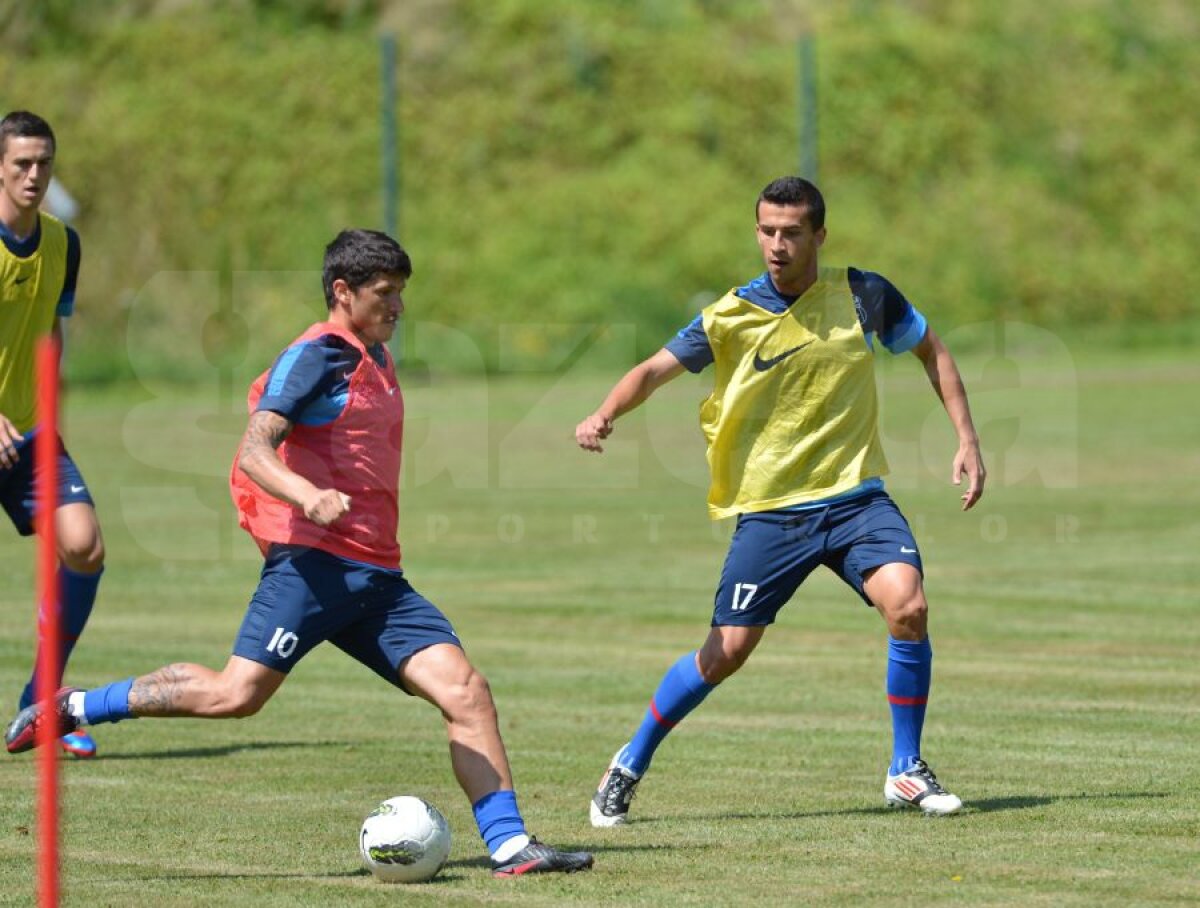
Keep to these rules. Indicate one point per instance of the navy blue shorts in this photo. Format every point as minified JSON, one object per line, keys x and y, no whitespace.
{"x":307,"y":596}
{"x":772,"y":552}
{"x":17,"y":483}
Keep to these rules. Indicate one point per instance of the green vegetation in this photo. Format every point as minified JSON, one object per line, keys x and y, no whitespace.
{"x":577,"y":177}
{"x":1066,"y":702}
{"x":579,"y":164}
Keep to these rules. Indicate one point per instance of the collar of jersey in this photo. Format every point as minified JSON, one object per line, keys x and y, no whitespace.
{"x":21,"y":248}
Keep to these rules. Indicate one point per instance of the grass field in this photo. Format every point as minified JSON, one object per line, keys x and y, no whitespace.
{"x":1065,"y":711}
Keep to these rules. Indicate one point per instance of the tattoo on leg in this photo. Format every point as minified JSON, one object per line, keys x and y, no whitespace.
{"x":158,"y":693}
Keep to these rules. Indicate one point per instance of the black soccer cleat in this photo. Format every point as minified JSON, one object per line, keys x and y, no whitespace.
{"x":610,"y":803}
{"x":538,"y":858}
{"x":22,"y":734}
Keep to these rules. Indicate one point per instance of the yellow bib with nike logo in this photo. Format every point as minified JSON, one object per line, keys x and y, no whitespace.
{"x":29,"y":291}
{"x":793,"y":415}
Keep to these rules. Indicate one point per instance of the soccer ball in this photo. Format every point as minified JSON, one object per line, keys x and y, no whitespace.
{"x":404,"y":840}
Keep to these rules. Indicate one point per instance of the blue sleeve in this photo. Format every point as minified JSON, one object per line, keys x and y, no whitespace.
{"x":884,"y":312}
{"x":66,"y":299}
{"x":309,"y":382}
{"x":691,"y":347}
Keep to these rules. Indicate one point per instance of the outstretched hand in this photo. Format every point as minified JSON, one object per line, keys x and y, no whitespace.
{"x":592,"y":431}
{"x":969,"y":461}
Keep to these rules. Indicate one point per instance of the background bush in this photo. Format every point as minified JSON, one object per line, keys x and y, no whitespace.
{"x":575,"y":164}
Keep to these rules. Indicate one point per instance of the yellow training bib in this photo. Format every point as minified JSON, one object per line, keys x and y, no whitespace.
{"x":793,"y":415}
{"x":30,"y":288}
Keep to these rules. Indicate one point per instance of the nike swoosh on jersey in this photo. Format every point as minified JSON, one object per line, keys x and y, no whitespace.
{"x":21,"y":280}
{"x":762,"y":365}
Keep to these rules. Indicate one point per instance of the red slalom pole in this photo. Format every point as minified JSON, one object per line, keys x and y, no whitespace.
{"x":49,"y":620}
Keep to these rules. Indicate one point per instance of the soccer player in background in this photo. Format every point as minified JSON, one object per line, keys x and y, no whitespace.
{"x":795,"y":455}
{"x":39,"y":263}
{"x":316,"y":484}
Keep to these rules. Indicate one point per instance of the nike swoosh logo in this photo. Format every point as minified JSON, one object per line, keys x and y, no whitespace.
{"x":762,"y":365}
{"x":21,"y":280}
{"x":908,"y":551}
{"x":75,"y":490}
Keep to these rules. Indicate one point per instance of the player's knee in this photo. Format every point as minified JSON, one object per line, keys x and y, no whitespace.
{"x":239,"y":702}
{"x":470,"y":699}
{"x":81,"y":551}
{"x":908,"y":616}
{"x":725,"y":666}
{"x":240,"y":709}
{"x":726,"y":650}
{"x":718,"y":663}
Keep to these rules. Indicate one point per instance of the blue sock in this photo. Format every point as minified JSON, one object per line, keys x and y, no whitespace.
{"x":908,"y":676}
{"x":77,"y":593}
{"x":681,"y":690}
{"x":109,"y":703}
{"x":498,"y":818}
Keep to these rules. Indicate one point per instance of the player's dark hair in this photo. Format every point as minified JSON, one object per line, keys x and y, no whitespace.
{"x":22,"y":124}
{"x":356,"y":256}
{"x":795,"y":191}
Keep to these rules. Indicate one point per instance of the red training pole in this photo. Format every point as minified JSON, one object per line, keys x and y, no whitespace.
{"x":45,"y":448}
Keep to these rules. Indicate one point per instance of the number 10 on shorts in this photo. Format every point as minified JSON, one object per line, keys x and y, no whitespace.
{"x":284,"y":643}
{"x":742,"y":594}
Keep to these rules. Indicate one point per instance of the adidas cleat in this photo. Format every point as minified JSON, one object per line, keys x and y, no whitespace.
{"x":918,"y":788}
{"x":538,"y":858}
{"x":22,"y":734}
{"x":610,"y":803}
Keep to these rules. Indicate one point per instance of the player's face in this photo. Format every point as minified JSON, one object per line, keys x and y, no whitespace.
{"x":25,"y":169}
{"x":789,"y":245}
{"x":371,"y":311}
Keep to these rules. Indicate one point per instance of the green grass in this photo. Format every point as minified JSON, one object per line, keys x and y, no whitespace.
{"x":1066,"y":705}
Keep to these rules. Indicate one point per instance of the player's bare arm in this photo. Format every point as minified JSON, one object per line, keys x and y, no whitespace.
{"x":260,"y":460}
{"x":634,"y":388}
{"x":947,"y":382}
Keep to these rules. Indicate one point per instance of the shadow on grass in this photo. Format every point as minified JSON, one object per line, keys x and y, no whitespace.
{"x":991,"y":805}
{"x":204,"y":752}
{"x":316,"y":875}
{"x":984,"y":805}
{"x":447,"y":874}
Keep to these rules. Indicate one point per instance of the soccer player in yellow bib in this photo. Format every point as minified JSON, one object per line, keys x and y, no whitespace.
{"x":795,"y":455}
{"x":39,"y":261}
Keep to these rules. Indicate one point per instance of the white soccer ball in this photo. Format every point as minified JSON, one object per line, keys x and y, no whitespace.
{"x":404,"y":840}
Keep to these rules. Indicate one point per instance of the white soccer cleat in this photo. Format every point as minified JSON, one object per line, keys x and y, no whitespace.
{"x":918,"y":788}
{"x":610,"y":804}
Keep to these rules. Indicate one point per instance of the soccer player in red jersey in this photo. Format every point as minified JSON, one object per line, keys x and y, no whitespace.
{"x":316,"y":484}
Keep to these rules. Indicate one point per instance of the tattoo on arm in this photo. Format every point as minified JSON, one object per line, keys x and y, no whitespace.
{"x":266,"y":430}
{"x":159,"y":693}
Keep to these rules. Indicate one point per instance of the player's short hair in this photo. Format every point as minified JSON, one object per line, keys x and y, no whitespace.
{"x":22,"y":124}
{"x":356,"y":256}
{"x":795,"y":191}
